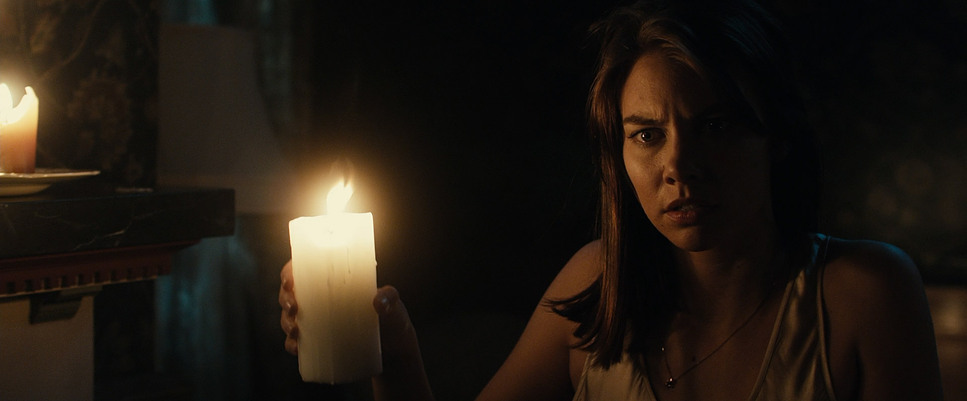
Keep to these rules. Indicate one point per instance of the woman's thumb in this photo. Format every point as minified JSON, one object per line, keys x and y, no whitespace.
{"x":395,"y":329}
{"x":393,"y":318}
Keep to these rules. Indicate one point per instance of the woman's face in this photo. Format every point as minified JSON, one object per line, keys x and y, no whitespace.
{"x":701,"y":176}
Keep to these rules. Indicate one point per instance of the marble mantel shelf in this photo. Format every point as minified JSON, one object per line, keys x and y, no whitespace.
{"x":87,"y":235}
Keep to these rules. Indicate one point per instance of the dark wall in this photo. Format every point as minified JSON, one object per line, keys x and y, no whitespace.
{"x":466,"y":121}
{"x":887,"y":86}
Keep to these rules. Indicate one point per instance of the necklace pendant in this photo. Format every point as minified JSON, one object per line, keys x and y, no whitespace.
{"x":670,"y":383}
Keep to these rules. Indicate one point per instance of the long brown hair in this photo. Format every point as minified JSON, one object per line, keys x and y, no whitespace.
{"x":740,"y":50}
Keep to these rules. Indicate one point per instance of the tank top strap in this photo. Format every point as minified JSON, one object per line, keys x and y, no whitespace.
{"x":796,"y":366}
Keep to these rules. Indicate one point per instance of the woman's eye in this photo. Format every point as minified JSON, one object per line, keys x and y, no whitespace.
{"x":647,"y":135}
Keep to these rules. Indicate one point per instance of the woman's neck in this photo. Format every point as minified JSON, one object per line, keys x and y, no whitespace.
{"x":722,"y":285}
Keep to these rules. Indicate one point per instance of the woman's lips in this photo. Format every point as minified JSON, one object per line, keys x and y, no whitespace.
{"x":687,"y":212}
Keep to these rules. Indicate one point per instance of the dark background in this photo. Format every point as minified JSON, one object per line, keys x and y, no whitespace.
{"x":464,"y":121}
{"x":467,"y":118}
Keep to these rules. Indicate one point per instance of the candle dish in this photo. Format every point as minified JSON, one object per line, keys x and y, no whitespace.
{"x":13,"y":184}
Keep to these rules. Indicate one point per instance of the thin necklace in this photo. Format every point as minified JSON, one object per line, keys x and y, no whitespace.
{"x":672,"y":380}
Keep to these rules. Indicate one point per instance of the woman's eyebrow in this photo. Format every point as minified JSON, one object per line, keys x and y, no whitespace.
{"x":714,"y":109}
{"x":640,"y":120}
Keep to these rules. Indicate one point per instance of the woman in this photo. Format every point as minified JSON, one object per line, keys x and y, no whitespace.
{"x":707,"y":281}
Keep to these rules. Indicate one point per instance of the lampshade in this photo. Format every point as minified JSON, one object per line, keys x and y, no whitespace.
{"x":214,"y":129}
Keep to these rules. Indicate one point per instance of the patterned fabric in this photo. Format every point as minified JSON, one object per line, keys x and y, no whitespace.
{"x":94,"y":66}
{"x":795,"y":365}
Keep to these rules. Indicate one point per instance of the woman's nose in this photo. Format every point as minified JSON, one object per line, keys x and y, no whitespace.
{"x":684,"y":160}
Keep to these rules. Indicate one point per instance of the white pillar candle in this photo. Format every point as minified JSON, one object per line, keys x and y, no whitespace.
{"x":334,"y":272}
{"x":18,"y":132}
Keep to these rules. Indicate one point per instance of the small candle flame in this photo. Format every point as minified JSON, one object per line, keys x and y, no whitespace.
{"x":10,"y":114}
{"x":338,"y":197}
{"x":6,"y":100}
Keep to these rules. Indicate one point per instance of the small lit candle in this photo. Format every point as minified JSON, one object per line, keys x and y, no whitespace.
{"x":18,"y":131}
{"x":334,"y":272}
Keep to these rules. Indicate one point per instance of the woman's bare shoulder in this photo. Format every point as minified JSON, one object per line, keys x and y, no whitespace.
{"x":865,"y":279}
{"x":578,"y":273}
{"x":879,"y":330}
{"x":545,"y":364}
{"x":867,"y":268}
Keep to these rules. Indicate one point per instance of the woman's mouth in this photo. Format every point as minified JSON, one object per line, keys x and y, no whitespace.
{"x":687,"y":212}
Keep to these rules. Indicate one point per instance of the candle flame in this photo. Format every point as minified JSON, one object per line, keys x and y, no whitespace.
{"x":10,"y":114}
{"x":338,"y":197}
{"x":6,"y":101}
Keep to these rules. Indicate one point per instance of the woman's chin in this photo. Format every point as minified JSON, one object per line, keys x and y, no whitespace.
{"x":691,"y":239}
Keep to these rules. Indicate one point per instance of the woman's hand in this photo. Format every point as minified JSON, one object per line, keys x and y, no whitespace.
{"x":403,"y":377}
{"x":397,"y":335}
{"x":289,"y":310}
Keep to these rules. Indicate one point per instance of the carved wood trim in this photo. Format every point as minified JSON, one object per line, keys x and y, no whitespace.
{"x":34,"y":274}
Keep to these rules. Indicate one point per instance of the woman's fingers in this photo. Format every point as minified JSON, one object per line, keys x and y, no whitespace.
{"x":396,"y":331}
{"x":287,"y":292}
{"x":287,"y":302}
{"x":291,"y":334}
{"x":289,"y":310}
{"x":286,"y":276}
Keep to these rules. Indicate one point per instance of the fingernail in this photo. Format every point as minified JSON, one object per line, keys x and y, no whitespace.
{"x":384,"y":302}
